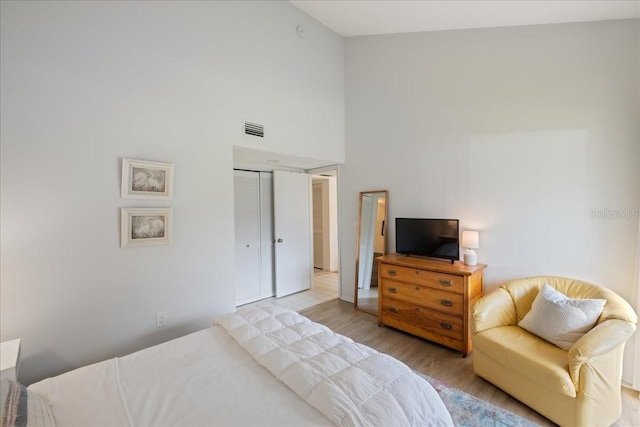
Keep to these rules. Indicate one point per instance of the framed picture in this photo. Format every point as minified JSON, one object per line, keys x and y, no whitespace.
{"x":147,"y":180}
{"x":146,"y":226}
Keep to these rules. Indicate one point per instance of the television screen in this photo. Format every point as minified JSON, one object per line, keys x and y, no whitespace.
{"x":435,"y":238}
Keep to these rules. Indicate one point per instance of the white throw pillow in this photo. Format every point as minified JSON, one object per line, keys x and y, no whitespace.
{"x":559,"y":319}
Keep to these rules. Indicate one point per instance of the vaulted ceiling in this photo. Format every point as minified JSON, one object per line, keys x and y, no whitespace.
{"x":363,"y":17}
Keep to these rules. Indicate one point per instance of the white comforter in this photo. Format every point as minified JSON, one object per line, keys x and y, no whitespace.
{"x":350,"y":383}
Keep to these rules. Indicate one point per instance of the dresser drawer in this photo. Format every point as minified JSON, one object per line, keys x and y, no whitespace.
{"x":419,"y":320}
{"x":448,"y":302}
{"x":431,"y":279}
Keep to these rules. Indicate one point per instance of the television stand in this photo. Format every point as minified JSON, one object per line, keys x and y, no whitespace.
{"x":429,"y":298}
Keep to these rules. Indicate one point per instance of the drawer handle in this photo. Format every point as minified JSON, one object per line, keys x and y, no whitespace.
{"x":392,"y":273}
{"x":445,"y":325}
{"x":446,"y":302}
{"x":393,"y":290}
{"x":392,"y":309}
{"x":445,"y":282}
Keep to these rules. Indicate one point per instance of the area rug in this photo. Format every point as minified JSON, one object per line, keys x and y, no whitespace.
{"x":469,"y":411}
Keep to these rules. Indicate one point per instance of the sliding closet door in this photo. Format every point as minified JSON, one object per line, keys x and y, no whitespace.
{"x":292,"y":219}
{"x":254,"y":236}
{"x":247,"y":233}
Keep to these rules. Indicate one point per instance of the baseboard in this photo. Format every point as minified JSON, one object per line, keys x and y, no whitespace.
{"x":630,"y":387}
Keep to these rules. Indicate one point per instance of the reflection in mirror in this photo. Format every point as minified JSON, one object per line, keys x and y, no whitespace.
{"x":371,"y":243}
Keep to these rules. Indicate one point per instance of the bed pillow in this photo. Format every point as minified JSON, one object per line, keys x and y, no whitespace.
{"x":560,"y":320}
{"x":22,"y":407}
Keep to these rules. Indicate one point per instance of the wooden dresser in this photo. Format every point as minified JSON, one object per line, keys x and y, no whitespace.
{"x":429,"y":298}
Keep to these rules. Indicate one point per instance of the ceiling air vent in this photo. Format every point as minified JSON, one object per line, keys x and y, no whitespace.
{"x":254,"y":129}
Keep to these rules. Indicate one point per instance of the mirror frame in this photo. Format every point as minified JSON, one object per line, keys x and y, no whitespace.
{"x":384,"y":250}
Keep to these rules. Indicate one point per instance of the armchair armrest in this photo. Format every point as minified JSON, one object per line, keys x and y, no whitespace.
{"x":493,"y":310}
{"x":600,"y":340}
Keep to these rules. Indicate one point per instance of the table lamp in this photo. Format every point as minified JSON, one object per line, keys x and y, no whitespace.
{"x":470,"y":240}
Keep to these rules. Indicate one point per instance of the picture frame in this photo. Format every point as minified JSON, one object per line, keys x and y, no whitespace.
{"x":143,"y":179}
{"x":146,"y":226}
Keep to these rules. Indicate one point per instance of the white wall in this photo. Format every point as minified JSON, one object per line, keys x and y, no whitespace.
{"x":87,"y":83}
{"x":519,"y":132}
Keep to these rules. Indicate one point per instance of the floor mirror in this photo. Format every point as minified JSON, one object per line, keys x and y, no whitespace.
{"x":371,"y":243}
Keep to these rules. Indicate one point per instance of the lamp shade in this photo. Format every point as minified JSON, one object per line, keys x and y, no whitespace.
{"x":470,"y":239}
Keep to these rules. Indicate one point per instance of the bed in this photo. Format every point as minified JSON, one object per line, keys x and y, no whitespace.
{"x":259,"y":366}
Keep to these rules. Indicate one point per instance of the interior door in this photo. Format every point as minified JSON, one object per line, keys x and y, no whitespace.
{"x":318,"y":248}
{"x":292,"y":226}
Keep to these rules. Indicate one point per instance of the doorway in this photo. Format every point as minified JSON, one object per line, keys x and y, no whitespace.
{"x":326,"y":257}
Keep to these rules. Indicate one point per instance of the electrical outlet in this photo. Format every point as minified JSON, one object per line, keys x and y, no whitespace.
{"x":161,"y":319}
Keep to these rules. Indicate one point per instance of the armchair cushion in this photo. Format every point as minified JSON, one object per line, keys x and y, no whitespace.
{"x":561,"y":320}
{"x":538,"y":361}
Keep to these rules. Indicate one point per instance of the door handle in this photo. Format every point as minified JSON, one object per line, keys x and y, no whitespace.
{"x":279,"y":240}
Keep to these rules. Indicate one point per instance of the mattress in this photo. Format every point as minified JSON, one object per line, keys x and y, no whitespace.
{"x":201,"y":379}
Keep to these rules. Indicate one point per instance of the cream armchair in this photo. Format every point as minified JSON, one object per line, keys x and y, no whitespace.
{"x":579,"y":387}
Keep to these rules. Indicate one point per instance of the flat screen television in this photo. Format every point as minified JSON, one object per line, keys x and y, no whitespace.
{"x":428,"y":237}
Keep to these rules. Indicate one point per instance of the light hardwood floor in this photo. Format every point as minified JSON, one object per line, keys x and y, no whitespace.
{"x":436,"y":361}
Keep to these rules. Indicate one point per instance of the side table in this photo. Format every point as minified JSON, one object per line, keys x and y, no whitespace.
{"x":9,"y":359}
